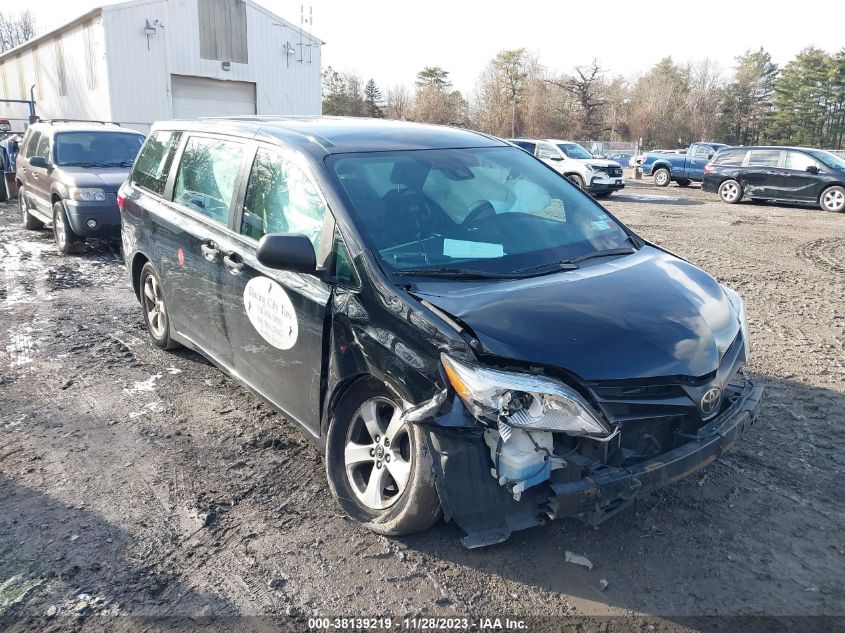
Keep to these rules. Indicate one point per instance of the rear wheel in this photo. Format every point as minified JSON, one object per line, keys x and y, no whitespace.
{"x":662,"y":177}
{"x":730,"y":191}
{"x":155,"y":309}
{"x":67,"y":241}
{"x":833,"y":199}
{"x":576,"y":180}
{"x":378,"y":466}
{"x":29,"y":222}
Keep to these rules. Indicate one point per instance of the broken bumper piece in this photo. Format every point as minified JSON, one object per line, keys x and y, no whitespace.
{"x":488,"y":512}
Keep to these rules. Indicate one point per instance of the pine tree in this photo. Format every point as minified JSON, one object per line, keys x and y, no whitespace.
{"x":373,"y":100}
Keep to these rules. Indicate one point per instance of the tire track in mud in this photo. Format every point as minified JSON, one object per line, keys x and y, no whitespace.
{"x":827,"y":253}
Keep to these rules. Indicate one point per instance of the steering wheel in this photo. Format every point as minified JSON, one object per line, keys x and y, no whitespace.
{"x":479,"y":210}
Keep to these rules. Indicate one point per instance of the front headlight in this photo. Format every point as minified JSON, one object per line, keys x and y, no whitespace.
{"x":522,"y":401}
{"x":87,"y":194}
{"x":739,"y":308}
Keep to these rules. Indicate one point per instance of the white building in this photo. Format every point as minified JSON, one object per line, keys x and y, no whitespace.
{"x":148,"y":60}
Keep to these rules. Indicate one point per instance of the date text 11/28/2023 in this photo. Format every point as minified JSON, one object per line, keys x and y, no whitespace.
{"x":417,"y":624}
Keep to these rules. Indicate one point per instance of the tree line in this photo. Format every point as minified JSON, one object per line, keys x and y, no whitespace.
{"x":670,"y":105}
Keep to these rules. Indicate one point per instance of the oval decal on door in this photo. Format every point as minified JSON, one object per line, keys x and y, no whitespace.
{"x":271,"y":312}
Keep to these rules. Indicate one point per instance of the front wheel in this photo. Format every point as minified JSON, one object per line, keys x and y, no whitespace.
{"x":29,"y":222}
{"x":576,"y":180}
{"x":67,"y":241}
{"x":730,"y":191}
{"x":378,"y":465}
{"x":684,"y":183}
{"x":662,"y":177}
{"x":833,"y":199}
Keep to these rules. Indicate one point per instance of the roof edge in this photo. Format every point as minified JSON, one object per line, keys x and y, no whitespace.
{"x":35,"y":41}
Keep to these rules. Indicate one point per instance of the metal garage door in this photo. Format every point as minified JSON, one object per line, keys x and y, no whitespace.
{"x":199,"y":96}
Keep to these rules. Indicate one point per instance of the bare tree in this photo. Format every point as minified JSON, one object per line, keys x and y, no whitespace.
{"x":400,"y":103}
{"x":705,"y":98}
{"x":15,"y":29}
{"x":586,"y":87}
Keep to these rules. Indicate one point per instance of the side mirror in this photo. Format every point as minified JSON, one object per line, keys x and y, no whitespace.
{"x":812,"y":169}
{"x":38,"y":161}
{"x":287,"y":251}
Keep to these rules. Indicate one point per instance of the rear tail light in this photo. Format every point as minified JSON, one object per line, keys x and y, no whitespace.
{"x":709,"y":169}
{"x":121,"y":201}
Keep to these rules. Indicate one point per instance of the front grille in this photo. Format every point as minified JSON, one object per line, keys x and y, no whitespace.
{"x":614,"y":172}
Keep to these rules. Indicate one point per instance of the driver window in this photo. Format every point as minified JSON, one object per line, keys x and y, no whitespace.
{"x":208,"y":174}
{"x":281,"y":199}
{"x":702,"y":152}
{"x":547,"y":150}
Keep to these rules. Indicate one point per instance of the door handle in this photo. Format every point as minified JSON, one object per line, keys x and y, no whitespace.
{"x":209,"y":250}
{"x":233,"y":263}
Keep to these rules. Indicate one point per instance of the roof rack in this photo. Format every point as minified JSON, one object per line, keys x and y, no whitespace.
{"x":52,"y":121}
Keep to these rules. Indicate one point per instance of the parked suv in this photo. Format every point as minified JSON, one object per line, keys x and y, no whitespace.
{"x":456,"y":325}
{"x":598,"y":176}
{"x":68,"y":174}
{"x":792,"y":174}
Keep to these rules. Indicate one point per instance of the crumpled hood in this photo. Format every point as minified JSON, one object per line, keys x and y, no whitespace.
{"x":645,"y":315}
{"x":107,"y":178}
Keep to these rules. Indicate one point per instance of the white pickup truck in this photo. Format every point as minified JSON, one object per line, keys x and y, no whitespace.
{"x":598,"y":176}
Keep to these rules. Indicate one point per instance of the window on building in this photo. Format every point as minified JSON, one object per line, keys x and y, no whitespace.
{"x":153,"y":164}
{"x":223,"y":34}
{"x":208,"y":173}
{"x":280,"y":198}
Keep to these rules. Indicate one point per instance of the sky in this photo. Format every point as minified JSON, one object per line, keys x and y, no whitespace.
{"x":391,"y":40}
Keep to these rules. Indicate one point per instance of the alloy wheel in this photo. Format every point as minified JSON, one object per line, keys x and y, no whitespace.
{"x":662,"y":177}
{"x":834,"y":199}
{"x":154,"y":307}
{"x":378,"y":454}
{"x":729,"y":191}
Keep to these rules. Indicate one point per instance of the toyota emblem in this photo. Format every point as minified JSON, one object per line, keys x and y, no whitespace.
{"x":710,"y":401}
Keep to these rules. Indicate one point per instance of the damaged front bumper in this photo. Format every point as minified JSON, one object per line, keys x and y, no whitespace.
{"x":488,"y":512}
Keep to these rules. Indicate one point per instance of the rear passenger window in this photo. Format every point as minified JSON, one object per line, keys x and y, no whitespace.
{"x":281,"y":199}
{"x":153,"y":163}
{"x":763,"y":158}
{"x":799,"y":161}
{"x":31,"y":144}
{"x":208,"y":174}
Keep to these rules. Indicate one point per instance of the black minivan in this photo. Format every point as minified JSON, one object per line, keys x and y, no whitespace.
{"x":790,"y":174}
{"x":457,"y":326}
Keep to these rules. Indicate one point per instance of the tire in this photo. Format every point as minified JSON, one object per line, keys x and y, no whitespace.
{"x":383,"y":505}
{"x":67,"y":241}
{"x":684,"y":183}
{"x":730,"y":191}
{"x":154,"y":308}
{"x":833,"y":199}
{"x":602,"y":194}
{"x":662,"y":177}
{"x":576,"y":180}
{"x":29,"y":222}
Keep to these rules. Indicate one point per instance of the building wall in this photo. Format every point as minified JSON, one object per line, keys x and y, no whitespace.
{"x":139,"y":77}
{"x":68,"y":72}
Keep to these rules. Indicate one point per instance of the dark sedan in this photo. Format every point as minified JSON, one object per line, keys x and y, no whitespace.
{"x":792,"y":174}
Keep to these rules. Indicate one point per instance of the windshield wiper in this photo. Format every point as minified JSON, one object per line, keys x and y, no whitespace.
{"x":572,"y":264}
{"x":454,"y":273}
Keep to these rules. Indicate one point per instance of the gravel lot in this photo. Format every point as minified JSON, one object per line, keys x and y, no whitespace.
{"x":152,"y":484}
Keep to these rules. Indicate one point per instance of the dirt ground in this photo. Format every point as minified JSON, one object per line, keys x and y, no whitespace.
{"x":144,"y":483}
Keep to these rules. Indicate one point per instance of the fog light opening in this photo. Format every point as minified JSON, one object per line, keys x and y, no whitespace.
{"x":91,"y":223}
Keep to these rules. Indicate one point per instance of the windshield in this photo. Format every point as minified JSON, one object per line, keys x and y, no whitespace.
{"x":96,"y":149}
{"x":831,"y":160}
{"x":495,"y":210}
{"x":573,"y":150}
